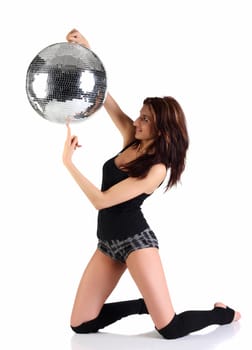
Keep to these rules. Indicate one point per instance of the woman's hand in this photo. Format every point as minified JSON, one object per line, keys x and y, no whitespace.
{"x":71,"y":144}
{"x":76,"y":37}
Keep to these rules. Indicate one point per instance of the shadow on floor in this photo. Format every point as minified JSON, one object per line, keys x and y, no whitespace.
{"x":152,"y":340}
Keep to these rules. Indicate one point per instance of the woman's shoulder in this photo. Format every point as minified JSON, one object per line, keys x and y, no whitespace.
{"x":157,"y":173}
{"x":158,"y":169}
{"x":155,"y":177}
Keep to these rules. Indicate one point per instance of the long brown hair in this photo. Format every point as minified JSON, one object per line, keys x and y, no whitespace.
{"x":170,"y":144}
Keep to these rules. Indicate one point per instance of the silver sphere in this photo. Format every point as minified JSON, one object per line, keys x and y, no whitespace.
{"x":66,"y":81}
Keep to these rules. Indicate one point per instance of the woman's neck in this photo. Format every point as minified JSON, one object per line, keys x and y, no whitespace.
{"x":144,"y":147}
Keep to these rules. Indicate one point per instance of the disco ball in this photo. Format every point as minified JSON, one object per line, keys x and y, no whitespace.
{"x":66,"y":81}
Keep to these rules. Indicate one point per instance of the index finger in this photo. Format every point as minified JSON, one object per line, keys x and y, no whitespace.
{"x":68,"y":127}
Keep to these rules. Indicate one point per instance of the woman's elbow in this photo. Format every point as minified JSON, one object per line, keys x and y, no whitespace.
{"x":99,"y":204}
{"x":102,"y":202}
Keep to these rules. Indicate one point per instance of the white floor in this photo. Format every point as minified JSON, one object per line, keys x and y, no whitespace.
{"x":38,"y":336}
{"x":228,"y":337}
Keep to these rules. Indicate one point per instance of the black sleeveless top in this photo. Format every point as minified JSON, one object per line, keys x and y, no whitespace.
{"x":122,"y":220}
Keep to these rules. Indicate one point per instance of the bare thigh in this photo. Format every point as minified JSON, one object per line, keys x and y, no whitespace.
{"x":98,"y":281}
{"x":147,"y":271}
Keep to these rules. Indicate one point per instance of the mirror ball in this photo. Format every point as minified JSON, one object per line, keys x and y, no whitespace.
{"x":66,"y":81}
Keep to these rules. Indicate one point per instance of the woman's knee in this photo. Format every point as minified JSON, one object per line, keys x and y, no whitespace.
{"x":86,"y":327}
{"x":83,"y":321}
{"x":173,"y":330}
{"x":82,"y":316}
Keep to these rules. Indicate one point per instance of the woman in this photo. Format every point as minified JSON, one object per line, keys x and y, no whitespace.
{"x":155,"y":143}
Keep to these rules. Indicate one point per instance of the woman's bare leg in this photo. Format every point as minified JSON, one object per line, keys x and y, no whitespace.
{"x":147,"y":271}
{"x":98,"y":281}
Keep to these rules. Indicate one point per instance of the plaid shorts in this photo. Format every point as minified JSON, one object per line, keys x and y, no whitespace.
{"x":120,"y":249}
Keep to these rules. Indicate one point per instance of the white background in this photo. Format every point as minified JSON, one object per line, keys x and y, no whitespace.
{"x":200,"y":53}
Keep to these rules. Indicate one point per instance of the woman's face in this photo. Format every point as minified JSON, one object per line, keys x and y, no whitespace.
{"x":145,"y":124}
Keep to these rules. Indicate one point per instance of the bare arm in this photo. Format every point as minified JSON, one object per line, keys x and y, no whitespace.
{"x":121,"y":120}
{"x":122,"y":191}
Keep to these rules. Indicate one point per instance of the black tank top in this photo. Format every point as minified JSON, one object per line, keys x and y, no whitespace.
{"x":122,"y":220}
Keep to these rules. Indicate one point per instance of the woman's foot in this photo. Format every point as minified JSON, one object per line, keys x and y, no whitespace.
{"x":237,"y":314}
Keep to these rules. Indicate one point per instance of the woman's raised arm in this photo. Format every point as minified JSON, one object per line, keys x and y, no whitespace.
{"x":121,"y":120}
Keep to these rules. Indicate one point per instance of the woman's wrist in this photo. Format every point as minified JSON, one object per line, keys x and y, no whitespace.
{"x":68,"y":162}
